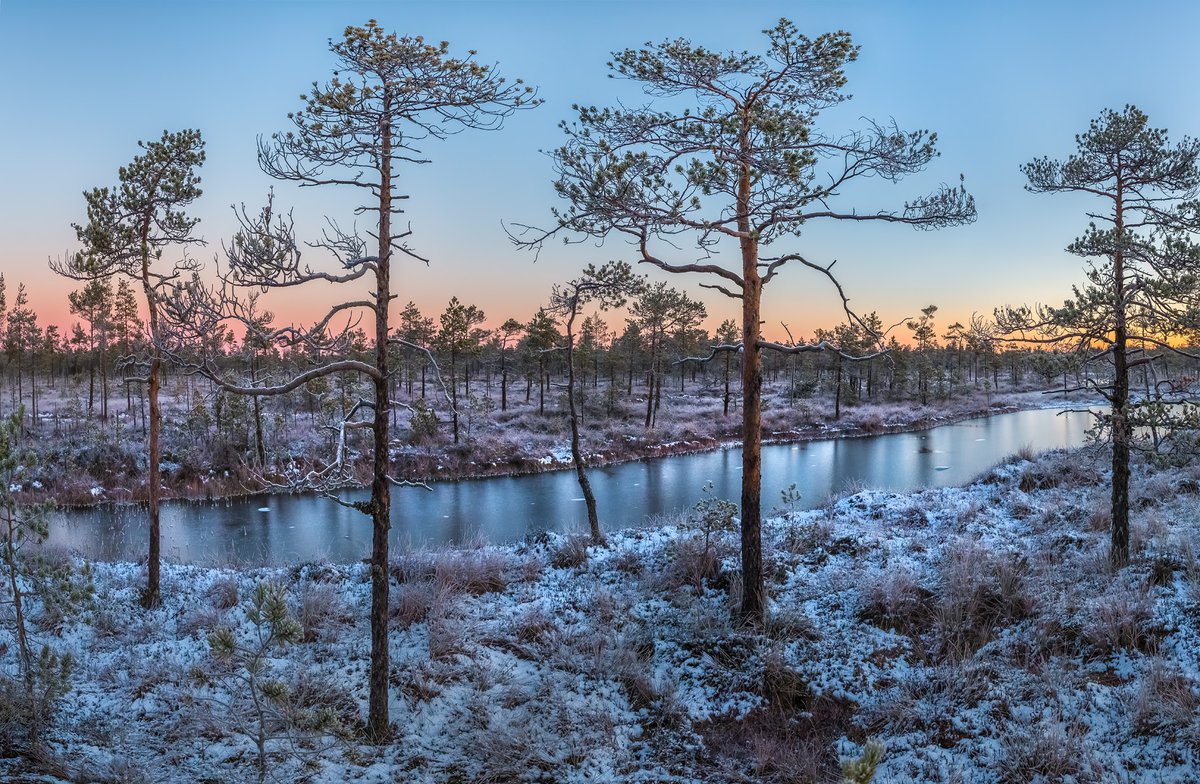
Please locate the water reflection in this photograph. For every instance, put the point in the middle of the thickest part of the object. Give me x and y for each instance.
(304, 527)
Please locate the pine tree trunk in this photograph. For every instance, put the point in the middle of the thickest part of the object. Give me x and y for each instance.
(152, 597)
(453, 395)
(725, 408)
(503, 384)
(378, 723)
(589, 498)
(24, 652)
(1119, 550)
(752, 607)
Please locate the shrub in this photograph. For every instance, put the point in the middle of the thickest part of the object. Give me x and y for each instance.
(861, 770)
(246, 689)
(32, 571)
(423, 424)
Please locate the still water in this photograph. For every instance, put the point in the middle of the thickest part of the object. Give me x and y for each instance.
(288, 528)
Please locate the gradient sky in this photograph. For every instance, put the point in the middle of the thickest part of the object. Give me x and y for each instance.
(1001, 83)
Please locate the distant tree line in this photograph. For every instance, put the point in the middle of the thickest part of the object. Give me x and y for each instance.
(459, 372)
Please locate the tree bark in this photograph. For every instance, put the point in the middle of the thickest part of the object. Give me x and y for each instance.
(753, 599)
(752, 581)
(1119, 549)
(378, 723)
(153, 595)
(589, 498)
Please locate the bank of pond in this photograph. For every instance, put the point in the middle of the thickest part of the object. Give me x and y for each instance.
(288, 528)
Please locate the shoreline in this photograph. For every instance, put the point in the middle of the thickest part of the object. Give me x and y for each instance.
(548, 463)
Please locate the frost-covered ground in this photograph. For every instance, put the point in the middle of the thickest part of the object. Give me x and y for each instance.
(978, 632)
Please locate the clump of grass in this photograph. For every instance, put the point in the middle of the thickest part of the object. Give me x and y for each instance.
(412, 602)
(692, 563)
(627, 561)
(223, 593)
(978, 592)
(199, 623)
(1118, 620)
(446, 638)
(471, 572)
(319, 609)
(1054, 750)
(784, 689)
(896, 601)
(1164, 701)
(572, 553)
(927, 700)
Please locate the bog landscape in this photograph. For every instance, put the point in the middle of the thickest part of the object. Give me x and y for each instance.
(267, 514)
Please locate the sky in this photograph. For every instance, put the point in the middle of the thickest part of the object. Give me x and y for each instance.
(1001, 83)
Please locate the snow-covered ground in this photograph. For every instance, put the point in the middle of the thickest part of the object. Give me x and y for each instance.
(977, 632)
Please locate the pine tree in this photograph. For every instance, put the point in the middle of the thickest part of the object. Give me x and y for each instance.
(728, 152)
(387, 97)
(458, 337)
(128, 230)
(1142, 266)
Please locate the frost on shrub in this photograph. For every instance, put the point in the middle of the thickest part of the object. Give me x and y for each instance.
(245, 689)
(695, 559)
(33, 577)
(423, 424)
(713, 515)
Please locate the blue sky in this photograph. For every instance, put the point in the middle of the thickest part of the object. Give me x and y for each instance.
(1001, 83)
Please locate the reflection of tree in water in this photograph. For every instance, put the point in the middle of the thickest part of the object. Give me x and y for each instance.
(302, 528)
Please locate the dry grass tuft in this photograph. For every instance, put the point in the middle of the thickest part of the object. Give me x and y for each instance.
(978, 593)
(223, 593)
(896, 601)
(1053, 750)
(412, 602)
(199, 623)
(572, 553)
(1119, 620)
(320, 608)
(472, 572)
(1164, 702)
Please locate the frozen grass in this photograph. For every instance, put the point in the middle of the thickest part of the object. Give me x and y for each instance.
(977, 632)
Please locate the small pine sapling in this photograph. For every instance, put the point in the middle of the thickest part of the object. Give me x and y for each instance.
(790, 497)
(712, 515)
(423, 424)
(55, 584)
(861, 770)
(259, 703)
